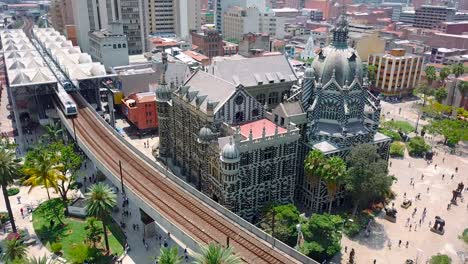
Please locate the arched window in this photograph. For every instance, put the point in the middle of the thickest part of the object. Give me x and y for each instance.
(273, 98)
(261, 98)
(119, 46)
(239, 117)
(124, 45)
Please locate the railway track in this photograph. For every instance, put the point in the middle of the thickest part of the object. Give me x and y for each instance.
(202, 223)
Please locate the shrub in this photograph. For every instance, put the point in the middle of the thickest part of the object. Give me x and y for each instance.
(56, 247)
(440, 259)
(4, 217)
(464, 236)
(397, 149)
(12, 191)
(417, 147)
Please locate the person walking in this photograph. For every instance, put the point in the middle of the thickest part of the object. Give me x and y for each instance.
(399, 243)
(22, 212)
(407, 244)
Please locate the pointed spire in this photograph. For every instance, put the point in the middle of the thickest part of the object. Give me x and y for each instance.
(334, 74)
(250, 134)
(264, 131)
(163, 79)
(340, 30)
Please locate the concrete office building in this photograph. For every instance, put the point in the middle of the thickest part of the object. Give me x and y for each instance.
(398, 73)
(428, 16)
(441, 55)
(161, 17)
(93, 15)
(222, 5)
(109, 46)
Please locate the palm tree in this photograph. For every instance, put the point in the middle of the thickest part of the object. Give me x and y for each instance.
(334, 174)
(169, 256)
(44, 170)
(38, 260)
(15, 250)
(100, 199)
(463, 88)
(53, 132)
(431, 74)
(313, 165)
(458, 69)
(216, 254)
(9, 171)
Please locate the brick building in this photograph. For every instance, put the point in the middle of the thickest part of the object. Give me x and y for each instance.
(140, 109)
(453, 27)
(209, 43)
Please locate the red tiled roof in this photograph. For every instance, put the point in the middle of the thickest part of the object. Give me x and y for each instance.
(257, 128)
(195, 55)
(320, 29)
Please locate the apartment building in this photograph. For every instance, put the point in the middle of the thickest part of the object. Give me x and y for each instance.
(161, 17)
(398, 73)
(428, 16)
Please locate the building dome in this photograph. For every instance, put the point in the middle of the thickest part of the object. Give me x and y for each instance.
(230, 152)
(343, 63)
(205, 134)
(163, 92)
(338, 59)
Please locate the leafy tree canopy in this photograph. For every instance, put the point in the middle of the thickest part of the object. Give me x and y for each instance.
(418, 147)
(322, 234)
(368, 175)
(452, 130)
(440, 259)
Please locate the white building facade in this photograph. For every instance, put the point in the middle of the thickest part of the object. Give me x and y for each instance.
(109, 46)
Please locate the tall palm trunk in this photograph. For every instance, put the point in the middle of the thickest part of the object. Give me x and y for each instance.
(8, 206)
(330, 206)
(106, 239)
(47, 190)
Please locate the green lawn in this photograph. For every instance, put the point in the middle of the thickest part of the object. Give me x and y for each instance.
(73, 233)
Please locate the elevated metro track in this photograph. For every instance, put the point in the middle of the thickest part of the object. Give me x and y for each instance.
(175, 203)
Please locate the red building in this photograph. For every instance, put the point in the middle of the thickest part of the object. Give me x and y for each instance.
(140, 109)
(208, 42)
(455, 27)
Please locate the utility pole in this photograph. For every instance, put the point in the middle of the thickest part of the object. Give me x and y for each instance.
(273, 223)
(121, 176)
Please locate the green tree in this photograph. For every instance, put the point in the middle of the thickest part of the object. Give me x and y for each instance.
(417, 147)
(444, 73)
(44, 170)
(216, 254)
(463, 88)
(9, 171)
(313, 164)
(440, 94)
(368, 175)
(458, 69)
(334, 175)
(286, 217)
(437, 110)
(452, 130)
(15, 250)
(71, 162)
(424, 91)
(169, 256)
(440, 259)
(53, 132)
(431, 74)
(100, 199)
(322, 235)
(397, 149)
(372, 73)
(93, 231)
(464, 236)
(38, 260)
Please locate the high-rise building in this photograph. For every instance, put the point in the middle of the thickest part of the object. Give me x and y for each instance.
(397, 73)
(61, 14)
(428, 16)
(92, 15)
(222, 5)
(161, 17)
(109, 46)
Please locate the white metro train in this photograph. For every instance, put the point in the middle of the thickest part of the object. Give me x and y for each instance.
(65, 101)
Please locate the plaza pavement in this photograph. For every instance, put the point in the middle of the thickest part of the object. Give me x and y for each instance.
(422, 243)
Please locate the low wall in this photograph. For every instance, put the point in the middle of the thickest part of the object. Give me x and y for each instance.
(205, 199)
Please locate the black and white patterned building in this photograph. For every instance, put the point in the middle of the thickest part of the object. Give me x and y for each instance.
(339, 112)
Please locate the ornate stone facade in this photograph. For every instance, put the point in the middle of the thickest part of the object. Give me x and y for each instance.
(215, 134)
